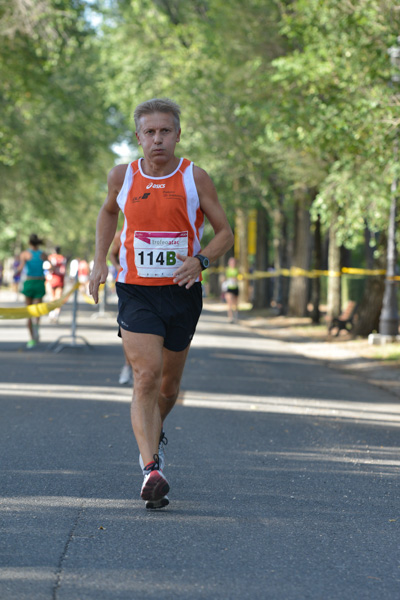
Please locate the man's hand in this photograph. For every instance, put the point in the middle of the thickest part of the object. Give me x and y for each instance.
(97, 276)
(188, 272)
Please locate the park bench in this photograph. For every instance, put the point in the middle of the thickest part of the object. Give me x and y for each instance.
(345, 321)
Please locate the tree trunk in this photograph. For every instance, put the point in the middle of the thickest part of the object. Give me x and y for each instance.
(299, 285)
(241, 226)
(281, 283)
(262, 286)
(214, 286)
(316, 281)
(334, 280)
(369, 251)
(369, 309)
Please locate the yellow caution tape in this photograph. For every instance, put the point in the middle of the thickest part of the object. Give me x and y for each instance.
(292, 272)
(298, 272)
(88, 299)
(354, 271)
(36, 310)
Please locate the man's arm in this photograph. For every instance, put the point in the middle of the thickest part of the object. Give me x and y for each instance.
(223, 239)
(105, 229)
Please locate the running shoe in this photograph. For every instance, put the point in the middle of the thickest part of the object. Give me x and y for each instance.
(125, 375)
(154, 504)
(31, 344)
(161, 453)
(155, 486)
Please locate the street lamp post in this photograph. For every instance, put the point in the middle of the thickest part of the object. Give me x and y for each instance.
(389, 319)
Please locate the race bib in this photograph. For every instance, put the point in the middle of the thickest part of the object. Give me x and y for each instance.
(155, 252)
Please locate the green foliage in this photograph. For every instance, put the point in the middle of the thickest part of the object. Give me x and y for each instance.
(54, 128)
(337, 105)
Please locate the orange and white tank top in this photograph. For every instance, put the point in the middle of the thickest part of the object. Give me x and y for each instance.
(162, 218)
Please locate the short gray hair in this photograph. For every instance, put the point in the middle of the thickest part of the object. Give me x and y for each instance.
(164, 105)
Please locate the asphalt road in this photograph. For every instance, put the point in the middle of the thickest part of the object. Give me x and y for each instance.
(284, 474)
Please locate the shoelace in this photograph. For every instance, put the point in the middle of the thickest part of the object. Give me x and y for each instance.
(163, 438)
(153, 466)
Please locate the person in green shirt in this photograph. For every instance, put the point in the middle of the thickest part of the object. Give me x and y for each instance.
(34, 285)
(232, 290)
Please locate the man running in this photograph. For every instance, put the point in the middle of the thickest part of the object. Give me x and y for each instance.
(164, 200)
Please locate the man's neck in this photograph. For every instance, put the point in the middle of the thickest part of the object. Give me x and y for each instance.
(155, 169)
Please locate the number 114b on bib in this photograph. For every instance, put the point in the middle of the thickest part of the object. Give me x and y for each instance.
(155, 252)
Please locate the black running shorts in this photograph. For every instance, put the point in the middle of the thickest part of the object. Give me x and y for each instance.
(234, 291)
(169, 311)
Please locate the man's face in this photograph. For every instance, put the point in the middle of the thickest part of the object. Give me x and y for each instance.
(158, 136)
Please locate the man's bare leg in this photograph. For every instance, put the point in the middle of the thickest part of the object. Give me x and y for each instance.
(145, 354)
(157, 374)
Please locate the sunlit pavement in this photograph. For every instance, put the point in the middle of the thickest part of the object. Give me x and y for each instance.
(284, 473)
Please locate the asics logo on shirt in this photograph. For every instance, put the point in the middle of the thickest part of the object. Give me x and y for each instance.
(156, 186)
